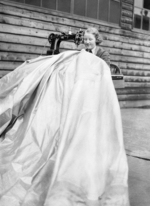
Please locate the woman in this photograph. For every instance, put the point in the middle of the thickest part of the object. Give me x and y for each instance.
(62, 139)
(92, 39)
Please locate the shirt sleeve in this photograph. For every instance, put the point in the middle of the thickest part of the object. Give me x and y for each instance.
(105, 56)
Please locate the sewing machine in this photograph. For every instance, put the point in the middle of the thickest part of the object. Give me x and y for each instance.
(56, 39)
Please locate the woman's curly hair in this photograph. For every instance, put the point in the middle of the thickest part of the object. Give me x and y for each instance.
(95, 32)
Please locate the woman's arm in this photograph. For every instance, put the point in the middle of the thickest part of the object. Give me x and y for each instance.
(103, 55)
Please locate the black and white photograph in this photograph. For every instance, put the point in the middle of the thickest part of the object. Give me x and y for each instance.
(74, 102)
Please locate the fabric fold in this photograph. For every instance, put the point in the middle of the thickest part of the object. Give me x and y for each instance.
(65, 146)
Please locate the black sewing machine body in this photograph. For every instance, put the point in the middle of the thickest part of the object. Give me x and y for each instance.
(56, 39)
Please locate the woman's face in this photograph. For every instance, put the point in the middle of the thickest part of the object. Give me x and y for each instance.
(89, 40)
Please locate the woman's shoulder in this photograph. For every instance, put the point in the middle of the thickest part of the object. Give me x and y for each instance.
(103, 55)
(101, 51)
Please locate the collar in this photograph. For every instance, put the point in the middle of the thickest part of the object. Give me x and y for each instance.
(94, 50)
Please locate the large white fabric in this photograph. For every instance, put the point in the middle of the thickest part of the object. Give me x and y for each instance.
(61, 134)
